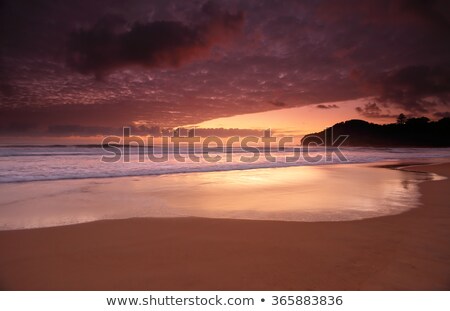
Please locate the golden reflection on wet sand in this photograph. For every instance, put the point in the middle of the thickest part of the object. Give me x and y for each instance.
(308, 193)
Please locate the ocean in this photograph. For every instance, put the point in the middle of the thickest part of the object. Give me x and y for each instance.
(62, 185)
(39, 163)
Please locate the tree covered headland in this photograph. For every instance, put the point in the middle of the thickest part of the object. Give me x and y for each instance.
(406, 132)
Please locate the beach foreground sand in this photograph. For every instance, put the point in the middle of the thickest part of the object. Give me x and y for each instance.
(409, 251)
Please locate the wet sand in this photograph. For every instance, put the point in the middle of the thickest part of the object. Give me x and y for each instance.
(408, 251)
(304, 193)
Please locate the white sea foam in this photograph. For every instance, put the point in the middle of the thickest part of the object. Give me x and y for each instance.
(20, 164)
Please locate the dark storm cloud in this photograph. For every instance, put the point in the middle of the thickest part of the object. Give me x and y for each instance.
(277, 103)
(430, 12)
(397, 48)
(286, 54)
(329, 106)
(105, 47)
(97, 120)
(6, 89)
(440, 114)
(415, 88)
(372, 110)
(17, 129)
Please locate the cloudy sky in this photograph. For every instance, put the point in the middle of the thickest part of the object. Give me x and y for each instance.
(87, 68)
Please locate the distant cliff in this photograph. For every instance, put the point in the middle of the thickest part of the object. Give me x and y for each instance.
(413, 132)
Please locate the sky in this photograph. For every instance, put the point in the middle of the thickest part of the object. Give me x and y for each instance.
(75, 71)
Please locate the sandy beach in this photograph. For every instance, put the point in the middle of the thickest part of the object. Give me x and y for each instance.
(408, 251)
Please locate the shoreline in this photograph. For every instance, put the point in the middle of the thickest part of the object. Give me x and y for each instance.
(322, 193)
(407, 251)
(396, 163)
